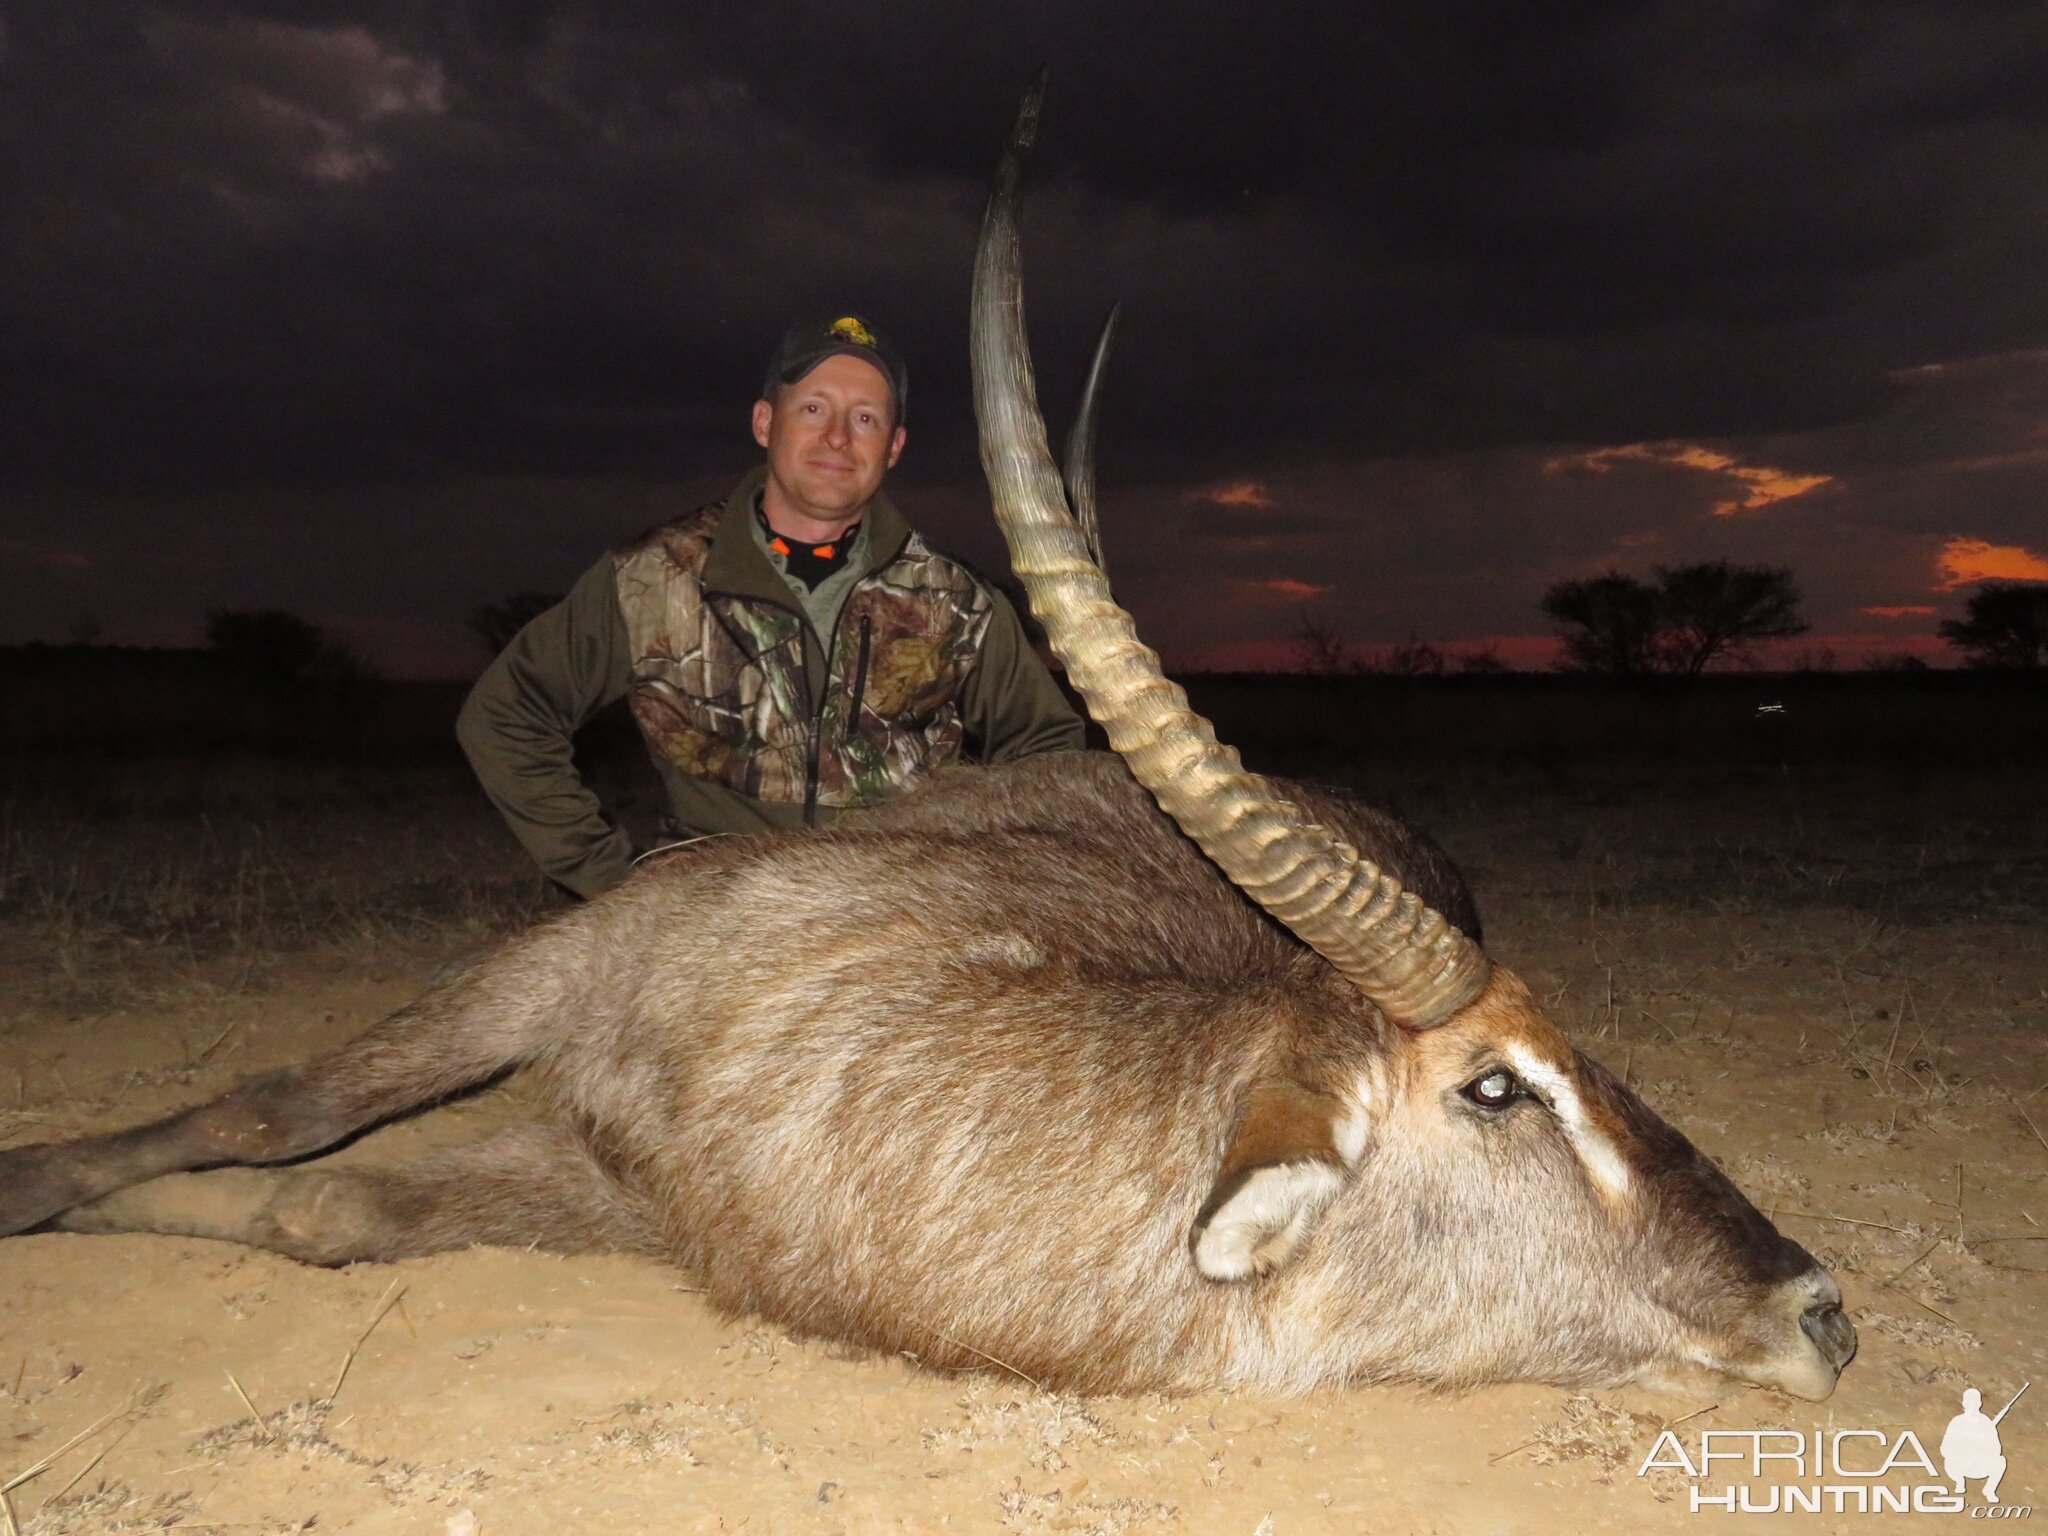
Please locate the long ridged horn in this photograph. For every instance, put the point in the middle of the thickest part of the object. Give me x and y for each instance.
(1415, 967)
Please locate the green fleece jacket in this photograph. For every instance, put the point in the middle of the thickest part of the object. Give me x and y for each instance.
(758, 713)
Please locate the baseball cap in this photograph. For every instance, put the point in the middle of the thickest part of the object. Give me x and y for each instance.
(809, 343)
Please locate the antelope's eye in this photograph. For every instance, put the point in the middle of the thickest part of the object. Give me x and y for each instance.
(1494, 1090)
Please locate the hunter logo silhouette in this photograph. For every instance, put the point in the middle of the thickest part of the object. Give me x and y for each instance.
(1970, 1446)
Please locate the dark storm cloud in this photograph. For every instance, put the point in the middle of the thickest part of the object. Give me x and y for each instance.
(364, 260)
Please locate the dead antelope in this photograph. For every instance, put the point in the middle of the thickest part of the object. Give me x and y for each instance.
(1021, 1068)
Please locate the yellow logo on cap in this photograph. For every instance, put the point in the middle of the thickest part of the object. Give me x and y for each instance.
(847, 328)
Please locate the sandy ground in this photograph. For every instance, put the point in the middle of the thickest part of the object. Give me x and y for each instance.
(1873, 1075)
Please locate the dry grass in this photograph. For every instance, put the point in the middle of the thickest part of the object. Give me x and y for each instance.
(301, 1431)
(122, 878)
(1046, 1425)
(1901, 808)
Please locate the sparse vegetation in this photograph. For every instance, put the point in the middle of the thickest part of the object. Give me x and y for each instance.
(1320, 650)
(116, 874)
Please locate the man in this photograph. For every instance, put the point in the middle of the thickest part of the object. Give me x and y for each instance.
(791, 651)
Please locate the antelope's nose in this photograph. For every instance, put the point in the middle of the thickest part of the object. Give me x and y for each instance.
(1828, 1326)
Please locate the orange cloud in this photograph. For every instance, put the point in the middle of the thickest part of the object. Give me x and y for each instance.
(1599, 461)
(1760, 486)
(1767, 486)
(1968, 560)
(1693, 456)
(1292, 590)
(1240, 493)
(1901, 611)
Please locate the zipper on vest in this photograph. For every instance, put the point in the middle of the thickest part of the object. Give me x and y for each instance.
(860, 678)
(817, 728)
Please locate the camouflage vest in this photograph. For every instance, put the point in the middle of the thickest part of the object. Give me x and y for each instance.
(721, 688)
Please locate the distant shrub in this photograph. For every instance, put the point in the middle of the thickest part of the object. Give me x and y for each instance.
(272, 645)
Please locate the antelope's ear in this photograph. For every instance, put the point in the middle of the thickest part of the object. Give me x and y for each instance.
(1294, 1148)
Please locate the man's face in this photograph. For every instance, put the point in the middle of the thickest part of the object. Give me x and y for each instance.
(830, 437)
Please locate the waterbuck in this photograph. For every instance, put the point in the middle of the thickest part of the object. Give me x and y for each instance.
(1135, 1072)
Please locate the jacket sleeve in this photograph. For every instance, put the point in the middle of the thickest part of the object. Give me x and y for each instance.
(517, 723)
(1009, 701)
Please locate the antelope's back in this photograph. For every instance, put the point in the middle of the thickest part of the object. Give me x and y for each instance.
(1091, 799)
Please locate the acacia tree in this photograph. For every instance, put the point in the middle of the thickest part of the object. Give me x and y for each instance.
(2005, 625)
(1716, 609)
(1609, 624)
(1688, 618)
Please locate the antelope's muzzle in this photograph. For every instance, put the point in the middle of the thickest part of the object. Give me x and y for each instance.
(1831, 1332)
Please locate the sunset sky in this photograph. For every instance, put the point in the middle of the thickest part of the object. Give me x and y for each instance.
(363, 310)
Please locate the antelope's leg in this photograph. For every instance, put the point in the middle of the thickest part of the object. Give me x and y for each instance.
(532, 1187)
(459, 1034)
